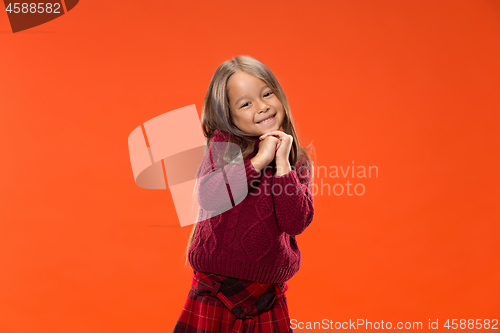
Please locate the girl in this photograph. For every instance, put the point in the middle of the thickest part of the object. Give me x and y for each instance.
(244, 249)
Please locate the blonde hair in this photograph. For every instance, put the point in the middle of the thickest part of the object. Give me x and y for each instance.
(215, 114)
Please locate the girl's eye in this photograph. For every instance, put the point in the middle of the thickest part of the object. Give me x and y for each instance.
(269, 92)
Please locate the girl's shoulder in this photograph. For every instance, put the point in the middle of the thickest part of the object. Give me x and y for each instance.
(303, 162)
(220, 136)
(304, 168)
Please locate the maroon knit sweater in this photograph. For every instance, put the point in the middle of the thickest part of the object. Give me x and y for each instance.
(255, 239)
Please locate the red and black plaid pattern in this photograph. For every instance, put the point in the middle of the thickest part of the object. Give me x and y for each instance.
(220, 304)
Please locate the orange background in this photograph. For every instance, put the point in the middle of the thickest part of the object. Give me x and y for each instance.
(410, 87)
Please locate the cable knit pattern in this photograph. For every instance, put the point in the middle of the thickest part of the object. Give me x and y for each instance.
(254, 236)
(211, 241)
(214, 172)
(257, 241)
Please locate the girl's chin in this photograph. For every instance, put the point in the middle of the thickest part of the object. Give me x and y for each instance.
(269, 129)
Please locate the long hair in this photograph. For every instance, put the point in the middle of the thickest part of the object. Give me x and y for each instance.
(215, 114)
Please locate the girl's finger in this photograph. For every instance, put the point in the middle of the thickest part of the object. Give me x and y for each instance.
(281, 135)
(263, 136)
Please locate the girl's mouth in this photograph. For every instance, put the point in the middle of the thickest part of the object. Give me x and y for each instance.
(267, 121)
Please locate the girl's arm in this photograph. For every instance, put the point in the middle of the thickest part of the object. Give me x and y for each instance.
(293, 201)
(214, 174)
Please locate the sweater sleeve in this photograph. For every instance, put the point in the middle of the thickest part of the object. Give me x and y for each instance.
(218, 181)
(293, 200)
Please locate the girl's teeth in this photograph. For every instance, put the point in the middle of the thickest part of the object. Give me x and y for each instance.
(267, 120)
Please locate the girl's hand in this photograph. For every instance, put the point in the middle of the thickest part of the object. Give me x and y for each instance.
(284, 146)
(267, 149)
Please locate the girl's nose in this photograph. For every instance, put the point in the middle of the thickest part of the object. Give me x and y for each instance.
(264, 108)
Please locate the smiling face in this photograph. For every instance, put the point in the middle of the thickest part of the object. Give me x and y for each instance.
(255, 109)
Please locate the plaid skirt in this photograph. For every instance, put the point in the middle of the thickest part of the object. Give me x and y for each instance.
(221, 304)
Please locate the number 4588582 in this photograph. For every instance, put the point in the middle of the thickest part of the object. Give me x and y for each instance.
(33, 8)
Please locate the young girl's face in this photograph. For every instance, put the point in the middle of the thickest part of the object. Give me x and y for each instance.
(255, 109)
